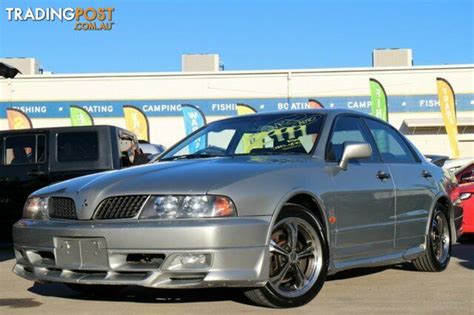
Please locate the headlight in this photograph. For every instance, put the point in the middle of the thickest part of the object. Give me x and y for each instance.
(36, 208)
(465, 196)
(181, 207)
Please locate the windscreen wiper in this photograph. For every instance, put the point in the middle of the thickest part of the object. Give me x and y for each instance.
(188, 157)
(278, 153)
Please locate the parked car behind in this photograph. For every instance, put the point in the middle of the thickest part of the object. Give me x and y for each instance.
(466, 195)
(34, 158)
(465, 177)
(270, 203)
(465, 173)
(437, 159)
(455, 164)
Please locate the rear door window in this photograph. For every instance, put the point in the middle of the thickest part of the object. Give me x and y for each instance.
(392, 147)
(25, 149)
(77, 146)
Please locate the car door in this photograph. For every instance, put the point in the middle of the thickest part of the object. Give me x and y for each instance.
(414, 184)
(363, 194)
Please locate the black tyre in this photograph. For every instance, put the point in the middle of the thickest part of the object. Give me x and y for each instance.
(438, 252)
(298, 260)
(97, 290)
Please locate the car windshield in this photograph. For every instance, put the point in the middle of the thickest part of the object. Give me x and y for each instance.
(294, 133)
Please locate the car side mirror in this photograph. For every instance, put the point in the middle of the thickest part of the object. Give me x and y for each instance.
(354, 151)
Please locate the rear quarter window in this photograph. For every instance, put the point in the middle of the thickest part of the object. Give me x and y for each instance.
(77, 146)
(23, 149)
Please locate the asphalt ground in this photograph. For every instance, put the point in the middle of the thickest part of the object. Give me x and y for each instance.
(395, 289)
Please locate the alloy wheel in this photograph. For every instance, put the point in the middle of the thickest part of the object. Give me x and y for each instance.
(440, 238)
(295, 257)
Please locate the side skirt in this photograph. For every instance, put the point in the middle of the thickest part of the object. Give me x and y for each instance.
(375, 261)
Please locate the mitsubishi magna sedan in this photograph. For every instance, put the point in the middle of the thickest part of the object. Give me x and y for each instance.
(270, 203)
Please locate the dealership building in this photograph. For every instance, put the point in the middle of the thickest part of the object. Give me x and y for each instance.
(412, 95)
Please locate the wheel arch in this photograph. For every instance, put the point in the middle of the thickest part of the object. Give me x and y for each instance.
(445, 201)
(308, 200)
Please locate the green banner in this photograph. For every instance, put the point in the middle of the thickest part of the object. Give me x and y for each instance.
(80, 117)
(378, 97)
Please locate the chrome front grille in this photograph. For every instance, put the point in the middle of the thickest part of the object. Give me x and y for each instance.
(62, 208)
(120, 207)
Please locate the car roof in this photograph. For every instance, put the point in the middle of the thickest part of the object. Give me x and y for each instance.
(323, 111)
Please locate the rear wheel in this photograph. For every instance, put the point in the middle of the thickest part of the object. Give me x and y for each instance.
(438, 251)
(298, 260)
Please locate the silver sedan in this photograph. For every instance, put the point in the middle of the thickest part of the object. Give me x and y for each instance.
(271, 203)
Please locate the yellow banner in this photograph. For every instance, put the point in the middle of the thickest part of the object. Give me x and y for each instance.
(18, 119)
(447, 104)
(244, 109)
(136, 122)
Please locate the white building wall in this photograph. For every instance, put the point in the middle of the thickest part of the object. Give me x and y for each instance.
(286, 84)
(292, 83)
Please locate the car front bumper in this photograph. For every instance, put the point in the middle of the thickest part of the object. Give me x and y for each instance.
(227, 252)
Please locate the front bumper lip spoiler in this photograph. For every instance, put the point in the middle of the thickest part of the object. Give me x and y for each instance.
(236, 267)
(239, 255)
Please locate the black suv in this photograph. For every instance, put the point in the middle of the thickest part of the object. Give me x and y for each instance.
(33, 158)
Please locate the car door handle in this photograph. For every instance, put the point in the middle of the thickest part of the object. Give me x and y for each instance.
(35, 173)
(382, 175)
(426, 174)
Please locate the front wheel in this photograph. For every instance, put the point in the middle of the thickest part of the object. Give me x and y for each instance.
(438, 251)
(298, 260)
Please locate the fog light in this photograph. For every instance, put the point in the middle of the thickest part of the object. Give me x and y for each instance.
(189, 261)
